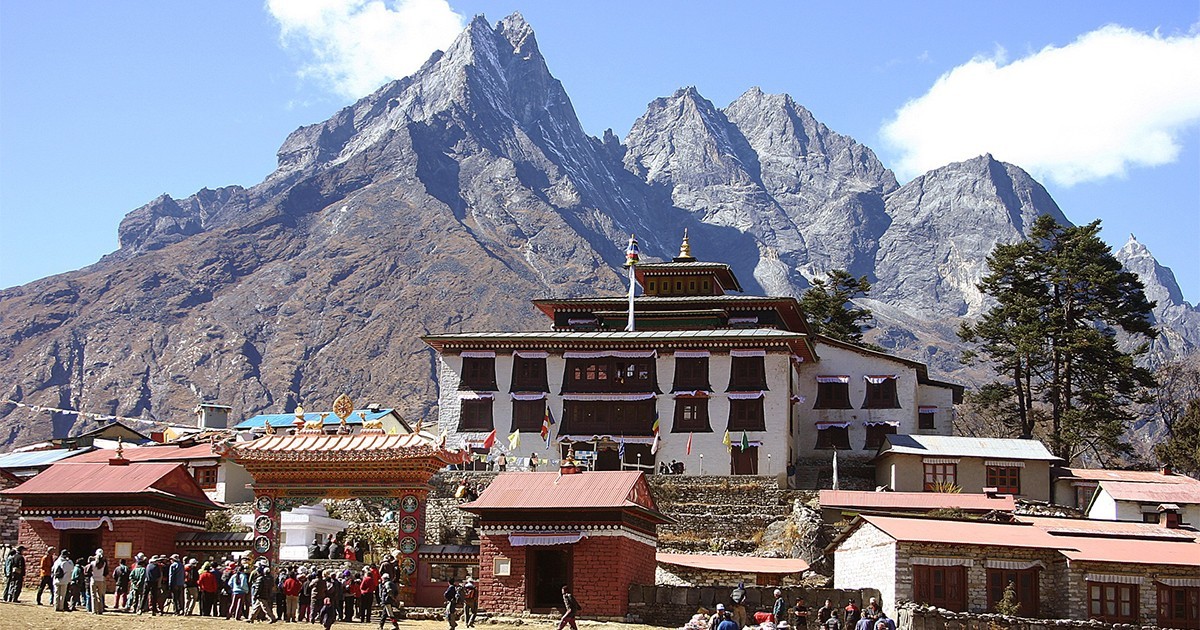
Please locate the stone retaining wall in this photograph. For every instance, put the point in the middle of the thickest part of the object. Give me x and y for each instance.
(673, 606)
(915, 617)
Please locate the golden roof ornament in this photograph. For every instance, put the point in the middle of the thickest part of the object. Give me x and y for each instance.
(120, 448)
(270, 430)
(343, 407)
(299, 412)
(685, 249)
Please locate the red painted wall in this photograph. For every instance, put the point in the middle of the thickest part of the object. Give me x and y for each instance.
(148, 537)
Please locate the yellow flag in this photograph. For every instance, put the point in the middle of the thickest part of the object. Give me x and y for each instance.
(514, 440)
(727, 441)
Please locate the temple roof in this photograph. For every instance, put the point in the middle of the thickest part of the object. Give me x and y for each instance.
(553, 491)
(165, 480)
(287, 419)
(358, 447)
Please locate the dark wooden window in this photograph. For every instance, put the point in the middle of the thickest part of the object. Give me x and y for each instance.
(528, 415)
(1113, 603)
(925, 418)
(944, 587)
(206, 477)
(743, 461)
(602, 417)
(833, 395)
(478, 459)
(1179, 606)
(529, 375)
(747, 415)
(876, 434)
(475, 415)
(610, 375)
(881, 395)
(1025, 587)
(691, 374)
(940, 474)
(691, 415)
(1005, 479)
(479, 374)
(830, 437)
(747, 374)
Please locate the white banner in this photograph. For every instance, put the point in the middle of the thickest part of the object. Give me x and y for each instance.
(927, 409)
(525, 539)
(620, 354)
(83, 522)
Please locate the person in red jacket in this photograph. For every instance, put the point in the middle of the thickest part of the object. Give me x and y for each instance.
(366, 601)
(208, 583)
(351, 585)
(291, 593)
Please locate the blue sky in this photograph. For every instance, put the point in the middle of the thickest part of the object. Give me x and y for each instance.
(104, 106)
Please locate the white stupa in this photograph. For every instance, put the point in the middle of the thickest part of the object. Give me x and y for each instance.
(300, 526)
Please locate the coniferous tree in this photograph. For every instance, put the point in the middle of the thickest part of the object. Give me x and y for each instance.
(1061, 298)
(829, 309)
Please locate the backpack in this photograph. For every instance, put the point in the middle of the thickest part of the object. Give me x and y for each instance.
(452, 595)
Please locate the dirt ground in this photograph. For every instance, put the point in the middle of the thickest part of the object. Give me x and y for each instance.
(27, 616)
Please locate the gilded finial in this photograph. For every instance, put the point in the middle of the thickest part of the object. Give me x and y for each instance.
(685, 248)
(270, 430)
(120, 448)
(299, 411)
(343, 406)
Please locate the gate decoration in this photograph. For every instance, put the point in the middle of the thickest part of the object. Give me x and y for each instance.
(301, 469)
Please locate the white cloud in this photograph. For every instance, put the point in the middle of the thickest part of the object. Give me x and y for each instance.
(1112, 99)
(358, 45)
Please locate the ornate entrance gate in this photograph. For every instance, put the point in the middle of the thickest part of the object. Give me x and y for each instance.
(311, 465)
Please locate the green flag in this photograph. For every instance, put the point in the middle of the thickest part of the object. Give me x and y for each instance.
(745, 440)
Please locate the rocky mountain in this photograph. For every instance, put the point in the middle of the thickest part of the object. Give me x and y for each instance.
(1178, 321)
(446, 200)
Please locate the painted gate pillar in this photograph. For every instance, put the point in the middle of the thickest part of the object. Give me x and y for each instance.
(267, 527)
(411, 529)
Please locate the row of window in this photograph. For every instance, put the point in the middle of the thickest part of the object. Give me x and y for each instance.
(946, 587)
(835, 394)
(632, 418)
(612, 374)
(1005, 479)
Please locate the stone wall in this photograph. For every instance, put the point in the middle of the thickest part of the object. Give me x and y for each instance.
(915, 617)
(10, 518)
(673, 606)
(868, 558)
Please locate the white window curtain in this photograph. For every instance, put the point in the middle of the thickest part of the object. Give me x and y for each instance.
(876, 379)
(833, 379)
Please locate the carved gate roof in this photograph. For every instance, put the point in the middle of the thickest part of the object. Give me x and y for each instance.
(362, 447)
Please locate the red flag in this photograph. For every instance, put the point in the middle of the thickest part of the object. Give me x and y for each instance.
(689, 446)
(490, 439)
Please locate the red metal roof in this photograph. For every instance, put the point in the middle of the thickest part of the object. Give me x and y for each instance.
(550, 490)
(148, 454)
(147, 478)
(1143, 476)
(1152, 492)
(916, 529)
(1090, 527)
(1134, 551)
(914, 500)
(734, 564)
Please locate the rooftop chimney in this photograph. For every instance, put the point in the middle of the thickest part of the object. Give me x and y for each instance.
(1168, 516)
(1166, 470)
(212, 416)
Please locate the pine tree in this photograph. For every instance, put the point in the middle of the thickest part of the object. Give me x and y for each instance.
(829, 309)
(1061, 297)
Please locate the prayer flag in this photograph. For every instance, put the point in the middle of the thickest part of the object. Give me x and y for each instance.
(631, 259)
(621, 449)
(654, 444)
(654, 427)
(726, 441)
(745, 440)
(835, 471)
(490, 440)
(514, 440)
(689, 444)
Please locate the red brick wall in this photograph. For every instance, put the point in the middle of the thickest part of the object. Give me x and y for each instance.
(148, 537)
(501, 594)
(604, 568)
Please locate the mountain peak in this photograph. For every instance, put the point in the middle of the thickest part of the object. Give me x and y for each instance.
(518, 32)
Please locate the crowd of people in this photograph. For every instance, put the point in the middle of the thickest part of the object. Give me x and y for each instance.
(236, 590)
(798, 616)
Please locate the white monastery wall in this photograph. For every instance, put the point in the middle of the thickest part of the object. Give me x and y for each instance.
(867, 559)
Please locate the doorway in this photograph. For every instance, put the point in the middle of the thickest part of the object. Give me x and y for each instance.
(81, 544)
(743, 461)
(550, 568)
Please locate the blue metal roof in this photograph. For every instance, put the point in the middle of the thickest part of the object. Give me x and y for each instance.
(34, 459)
(288, 419)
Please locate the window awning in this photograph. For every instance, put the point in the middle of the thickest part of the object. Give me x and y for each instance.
(799, 399)
(628, 439)
(540, 539)
(747, 353)
(478, 354)
(940, 460)
(881, 423)
(876, 379)
(531, 354)
(692, 354)
(833, 379)
(744, 395)
(1113, 578)
(620, 354)
(610, 396)
(927, 409)
(469, 395)
(1193, 582)
(80, 522)
(930, 561)
(528, 395)
(821, 426)
(1003, 464)
(695, 393)
(1014, 565)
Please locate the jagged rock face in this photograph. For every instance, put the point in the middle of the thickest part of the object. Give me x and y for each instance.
(1178, 321)
(445, 201)
(944, 224)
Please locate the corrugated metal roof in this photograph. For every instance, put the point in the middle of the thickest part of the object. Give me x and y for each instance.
(549, 490)
(1089, 527)
(149, 453)
(1137, 476)
(332, 443)
(33, 459)
(956, 446)
(1152, 492)
(1133, 551)
(287, 419)
(72, 478)
(734, 564)
(915, 529)
(914, 500)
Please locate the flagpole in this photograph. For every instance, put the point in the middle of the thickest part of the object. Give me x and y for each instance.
(631, 260)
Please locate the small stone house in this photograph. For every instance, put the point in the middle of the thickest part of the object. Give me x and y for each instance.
(1075, 487)
(1138, 573)
(1137, 501)
(929, 463)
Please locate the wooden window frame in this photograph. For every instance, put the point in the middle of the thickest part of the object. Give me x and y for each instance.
(529, 375)
(602, 417)
(1005, 479)
(1178, 606)
(475, 415)
(1026, 586)
(877, 435)
(833, 439)
(1101, 594)
(528, 415)
(478, 374)
(833, 396)
(691, 416)
(201, 473)
(691, 374)
(608, 374)
(747, 415)
(747, 374)
(882, 395)
(935, 473)
(926, 420)
(951, 581)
